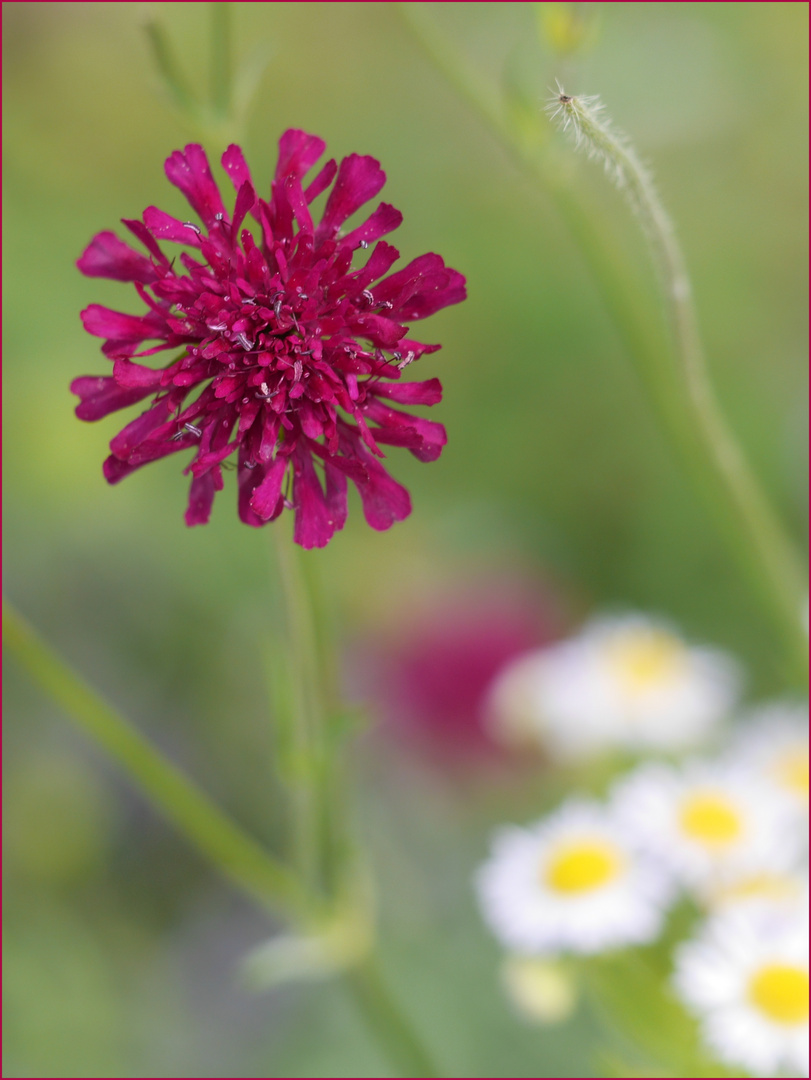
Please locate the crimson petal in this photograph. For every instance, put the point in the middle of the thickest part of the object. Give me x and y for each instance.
(384, 500)
(384, 220)
(410, 393)
(190, 171)
(201, 498)
(298, 152)
(315, 523)
(100, 396)
(359, 180)
(108, 257)
(267, 495)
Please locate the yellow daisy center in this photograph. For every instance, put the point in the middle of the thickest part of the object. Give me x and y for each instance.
(710, 818)
(780, 992)
(646, 658)
(581, 866)
(791, 770)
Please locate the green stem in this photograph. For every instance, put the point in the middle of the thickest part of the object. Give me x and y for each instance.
(314, 773)
(301, 729)
(746, 505)
(221, 73)
(686, 405)
(386, 1022)
(309, 730)
(238, 858)
(220, 840)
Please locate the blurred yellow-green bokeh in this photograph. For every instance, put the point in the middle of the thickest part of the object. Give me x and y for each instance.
(122, 947)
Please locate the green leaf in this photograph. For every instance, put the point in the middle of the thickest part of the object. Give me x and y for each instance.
(331, 948)
(288, 958)
(630, 993)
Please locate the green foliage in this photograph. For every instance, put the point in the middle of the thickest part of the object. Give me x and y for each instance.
(630, 994)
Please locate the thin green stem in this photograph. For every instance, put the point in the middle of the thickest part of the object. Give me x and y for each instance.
(301, 726)
(746, 505)
(314, 774)
(220, 63)
(387, 1023)
(682, 396)
(312, 729)
(238, 857)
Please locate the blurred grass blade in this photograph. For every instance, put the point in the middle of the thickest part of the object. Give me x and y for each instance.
(169, 69)
(236, 855)
(221, 45)
(527, 122)
(249, 75)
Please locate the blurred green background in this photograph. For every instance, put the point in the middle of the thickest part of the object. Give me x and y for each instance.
(122, 947)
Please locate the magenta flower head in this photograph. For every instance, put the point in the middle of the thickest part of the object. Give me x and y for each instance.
(290, 355)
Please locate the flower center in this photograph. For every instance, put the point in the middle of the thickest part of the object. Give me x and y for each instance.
(711, 819)
(780, 992)
(582, 866)
(791, 770)
(646, 658)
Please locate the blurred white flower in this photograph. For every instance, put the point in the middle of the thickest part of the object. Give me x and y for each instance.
(773, 743)
(627, 681)
(733, 888)
(712, 825)
(746, 978)
(514, 705)
(543, 991)
(571, 882)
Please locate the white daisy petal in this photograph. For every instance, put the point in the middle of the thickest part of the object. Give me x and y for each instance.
(773, 742)
(714, 826)
(571, 882)
(746, 978)
(627, 681)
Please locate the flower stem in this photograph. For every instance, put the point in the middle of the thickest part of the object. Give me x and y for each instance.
(300, 721)
(393, 1033)
(312, 767)
(746, 506)
(237, 856)
(682, 397)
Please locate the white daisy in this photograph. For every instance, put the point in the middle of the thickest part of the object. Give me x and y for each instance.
(623, 681)
(763, 886)
(712, 825)
(514, 705)
(773, 742)
(746, 978)
(573, 881)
